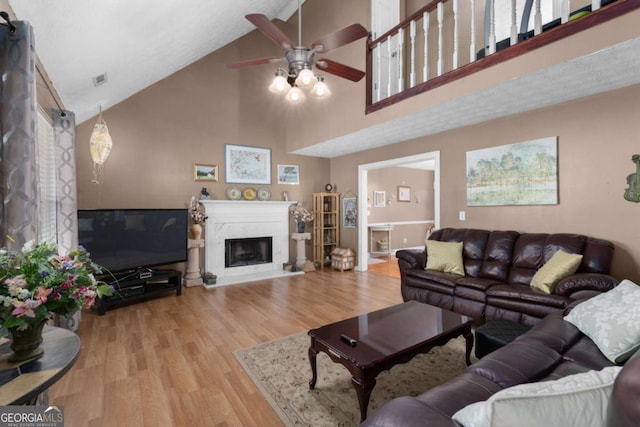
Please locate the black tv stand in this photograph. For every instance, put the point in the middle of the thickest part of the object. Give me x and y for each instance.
(139, 285)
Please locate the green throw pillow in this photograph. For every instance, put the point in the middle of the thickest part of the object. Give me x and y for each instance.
(560, 265)
(611, 320)
(445, 256)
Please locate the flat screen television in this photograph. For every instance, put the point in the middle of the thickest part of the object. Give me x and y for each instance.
(129, 239)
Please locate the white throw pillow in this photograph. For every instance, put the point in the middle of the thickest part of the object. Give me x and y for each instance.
(611, 320)
(575, 400)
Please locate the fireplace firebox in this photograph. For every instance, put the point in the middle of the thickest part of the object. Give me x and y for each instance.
(248, 251)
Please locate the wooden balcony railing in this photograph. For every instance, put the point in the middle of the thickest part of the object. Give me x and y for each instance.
(445, 41)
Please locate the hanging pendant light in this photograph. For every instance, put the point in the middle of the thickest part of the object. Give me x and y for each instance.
(100, 147)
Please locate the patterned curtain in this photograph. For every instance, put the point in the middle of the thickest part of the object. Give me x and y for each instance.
(18, 174)
(64, 129)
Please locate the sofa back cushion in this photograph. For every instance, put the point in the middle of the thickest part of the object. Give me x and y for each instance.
(497, 257)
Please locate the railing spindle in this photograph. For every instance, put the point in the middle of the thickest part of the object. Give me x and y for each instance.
(455, 33)
(379, 68)
(400, 59)
(389, 69)
(440, 53)
(425, 29)
(537, 28)
(412, 73)
(492, 27)
(472, 47)
(564, 11)
(514, 24)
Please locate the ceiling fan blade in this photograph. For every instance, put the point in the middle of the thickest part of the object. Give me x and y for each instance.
(340, 38)
(251, 62)
(340, 70)
(270, 30)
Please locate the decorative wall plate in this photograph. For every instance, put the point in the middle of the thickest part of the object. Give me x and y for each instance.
(234, 193)
(264, 194)
(249, 193)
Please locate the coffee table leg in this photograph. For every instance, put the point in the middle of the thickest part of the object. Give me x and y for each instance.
(363, 390)
(468, 337)
(314, 371)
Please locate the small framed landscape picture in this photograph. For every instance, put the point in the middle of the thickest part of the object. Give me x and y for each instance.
(205, 172)
(288, 174)
(404, 194)
(379, 199)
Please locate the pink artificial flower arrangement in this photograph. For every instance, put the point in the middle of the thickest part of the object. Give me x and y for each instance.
(37, 282)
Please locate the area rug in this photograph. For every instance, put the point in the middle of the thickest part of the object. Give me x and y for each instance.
(281, 371)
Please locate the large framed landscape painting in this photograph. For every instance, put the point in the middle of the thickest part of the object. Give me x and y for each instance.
(524, 173)
(247, 165)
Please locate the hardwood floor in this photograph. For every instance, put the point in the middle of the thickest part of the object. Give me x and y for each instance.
(169, 361)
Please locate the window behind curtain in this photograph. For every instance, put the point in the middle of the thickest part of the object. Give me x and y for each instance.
(46, 179)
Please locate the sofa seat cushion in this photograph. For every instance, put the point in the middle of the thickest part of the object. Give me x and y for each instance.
(477, 283)
(517, 363)
(447, 279)
(527, 294)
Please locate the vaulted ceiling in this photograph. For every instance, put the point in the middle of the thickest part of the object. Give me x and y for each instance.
(129, 41)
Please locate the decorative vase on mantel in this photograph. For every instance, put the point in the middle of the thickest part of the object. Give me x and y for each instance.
(300, 225)
(196, 231)
(26, 343)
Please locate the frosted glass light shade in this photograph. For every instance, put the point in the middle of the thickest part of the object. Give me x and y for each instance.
(306, 79)
(295, 95)
(279, 85)
(320, 89)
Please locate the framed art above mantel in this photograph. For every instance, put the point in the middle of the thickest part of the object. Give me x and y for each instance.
(247, 165)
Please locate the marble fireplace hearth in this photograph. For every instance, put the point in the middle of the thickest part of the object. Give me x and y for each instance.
(242, 219)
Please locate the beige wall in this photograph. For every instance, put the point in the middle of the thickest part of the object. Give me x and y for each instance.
(596, 138)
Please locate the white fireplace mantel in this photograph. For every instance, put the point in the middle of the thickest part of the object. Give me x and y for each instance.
(238, 219)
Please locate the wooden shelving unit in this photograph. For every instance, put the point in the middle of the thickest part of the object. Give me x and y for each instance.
(326, 227)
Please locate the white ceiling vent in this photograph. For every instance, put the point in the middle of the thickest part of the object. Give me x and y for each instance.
(101, 79)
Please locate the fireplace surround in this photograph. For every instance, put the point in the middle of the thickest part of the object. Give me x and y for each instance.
(242, 219)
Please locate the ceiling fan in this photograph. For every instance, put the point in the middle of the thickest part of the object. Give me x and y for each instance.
(301, 59)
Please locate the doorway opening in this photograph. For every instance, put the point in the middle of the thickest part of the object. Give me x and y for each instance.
(363, 189)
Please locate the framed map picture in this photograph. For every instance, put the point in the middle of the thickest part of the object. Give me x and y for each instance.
(247, 165)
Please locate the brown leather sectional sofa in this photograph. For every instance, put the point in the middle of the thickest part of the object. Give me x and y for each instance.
(499, 266)
(552, 349)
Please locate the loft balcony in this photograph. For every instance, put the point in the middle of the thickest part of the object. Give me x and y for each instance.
(448, 40)
(560, 62)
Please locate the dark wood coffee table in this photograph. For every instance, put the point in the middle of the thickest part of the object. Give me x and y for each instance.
(384, 339)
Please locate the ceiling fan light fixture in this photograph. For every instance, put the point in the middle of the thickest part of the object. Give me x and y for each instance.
(306, 79)
(295, 95)
(320, 89)
(280, 85)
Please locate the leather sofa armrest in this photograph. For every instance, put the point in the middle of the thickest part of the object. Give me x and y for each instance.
(411, 258)
(408, 411)
(585, 282)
